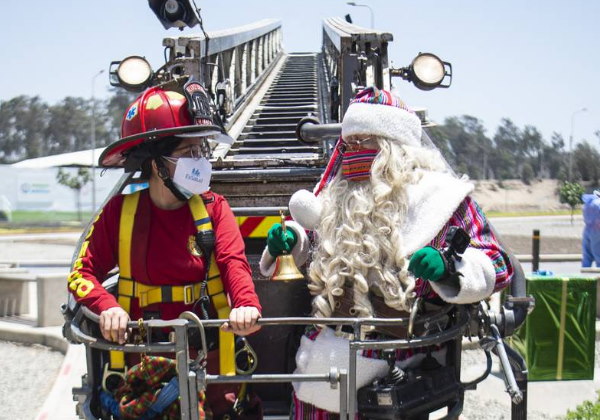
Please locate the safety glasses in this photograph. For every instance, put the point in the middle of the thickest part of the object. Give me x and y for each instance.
(194, 151)
(354, 144)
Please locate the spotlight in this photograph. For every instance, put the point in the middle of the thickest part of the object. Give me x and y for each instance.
(174, 13)
(427, 71)
(132, 73)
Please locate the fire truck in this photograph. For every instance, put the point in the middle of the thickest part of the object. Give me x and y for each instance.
(284, 110)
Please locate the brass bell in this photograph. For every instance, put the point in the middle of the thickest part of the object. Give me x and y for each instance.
(285, 266)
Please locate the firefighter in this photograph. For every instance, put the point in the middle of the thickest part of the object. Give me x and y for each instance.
(176, 243)
(380, 216)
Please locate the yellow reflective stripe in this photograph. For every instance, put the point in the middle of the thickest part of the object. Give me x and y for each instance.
(220, 301)
(117, 360)
(130, 203)
(199, 212)
(214, 286)
(226, 340)
(126, 287)
(226, 346)
(124, 302)
(213, 270)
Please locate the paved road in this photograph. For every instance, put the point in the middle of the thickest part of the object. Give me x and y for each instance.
(553, 226)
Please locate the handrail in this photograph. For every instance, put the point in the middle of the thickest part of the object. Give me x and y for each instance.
(230, 62)
(225, 39)
(355, 57)
(340, 32)
(359, 322)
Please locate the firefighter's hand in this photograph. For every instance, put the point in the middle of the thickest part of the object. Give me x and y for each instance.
(279, 243)
(242, 321)
(113, 324)
(428, 263)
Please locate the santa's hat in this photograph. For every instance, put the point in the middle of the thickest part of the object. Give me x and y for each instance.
(374, 112)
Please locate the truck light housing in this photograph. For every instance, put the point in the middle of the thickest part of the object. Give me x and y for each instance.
(427, 71)
(132, 73)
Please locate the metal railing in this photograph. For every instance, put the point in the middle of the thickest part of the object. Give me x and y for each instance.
(229, 62)
(195, 378)
(355, 57)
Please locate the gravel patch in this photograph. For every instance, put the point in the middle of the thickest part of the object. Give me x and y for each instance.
(480, 404)
(28, 373)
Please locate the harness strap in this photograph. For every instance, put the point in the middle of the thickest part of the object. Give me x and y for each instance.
(141, 235)
(215, 290)
(128, 288)
(130, 204)
(149, 295)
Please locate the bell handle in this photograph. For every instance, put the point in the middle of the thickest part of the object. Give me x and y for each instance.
(283, 226)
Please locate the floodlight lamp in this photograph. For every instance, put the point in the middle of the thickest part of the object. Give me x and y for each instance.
(132, 73)
(429, 71)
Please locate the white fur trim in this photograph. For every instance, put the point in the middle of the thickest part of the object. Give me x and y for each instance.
(325, 352)
(300, 251)
(382, 120)
(477, 280)
(431, 202)
(305, 208)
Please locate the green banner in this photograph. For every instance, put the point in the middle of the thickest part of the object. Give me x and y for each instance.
(558, 337)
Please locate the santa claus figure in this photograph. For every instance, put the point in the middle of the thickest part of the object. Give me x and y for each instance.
(380, 217)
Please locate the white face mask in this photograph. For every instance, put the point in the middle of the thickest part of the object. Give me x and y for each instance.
(192, 176)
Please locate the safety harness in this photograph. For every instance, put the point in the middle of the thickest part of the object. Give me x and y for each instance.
(135, 222)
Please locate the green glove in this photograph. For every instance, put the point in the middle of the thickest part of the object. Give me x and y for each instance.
(278, 243)
(428, 263)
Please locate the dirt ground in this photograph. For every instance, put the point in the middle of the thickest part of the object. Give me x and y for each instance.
(515, 196)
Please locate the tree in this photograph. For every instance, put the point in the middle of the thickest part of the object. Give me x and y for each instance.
(531, 148)
(586, 161)
(23, 121)
(554, 158)
(570, 193)
(468, 145)
(69, 125)
(507, 157)
(75, 182)
(527, 173)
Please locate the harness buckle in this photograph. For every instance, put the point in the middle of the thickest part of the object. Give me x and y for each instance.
(188, 294)
(112, 379)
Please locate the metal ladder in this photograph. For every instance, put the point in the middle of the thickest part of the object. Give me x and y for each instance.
(271, 131)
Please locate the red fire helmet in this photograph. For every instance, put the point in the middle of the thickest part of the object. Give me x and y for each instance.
(154, 115)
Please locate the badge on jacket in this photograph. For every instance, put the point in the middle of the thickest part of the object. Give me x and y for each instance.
(193, 247)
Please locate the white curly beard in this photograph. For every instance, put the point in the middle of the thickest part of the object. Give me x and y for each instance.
(360, 233)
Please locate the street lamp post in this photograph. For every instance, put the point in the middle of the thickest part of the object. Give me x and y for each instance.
(571, 142)
(94, 142)
(351, 3)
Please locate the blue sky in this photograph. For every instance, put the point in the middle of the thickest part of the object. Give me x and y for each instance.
(535, 62)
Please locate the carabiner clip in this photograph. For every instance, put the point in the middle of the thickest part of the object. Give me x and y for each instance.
(203, 352)
(251, 357)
